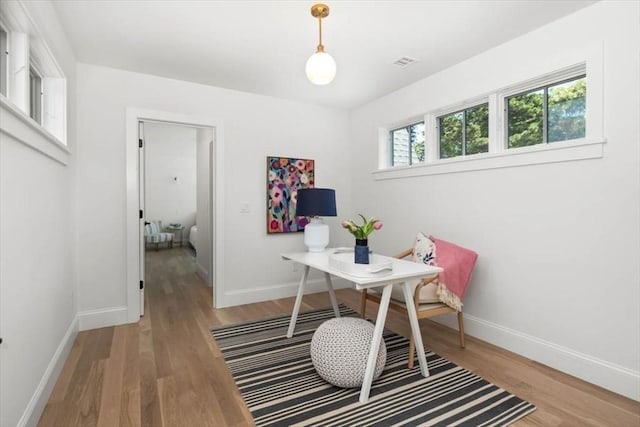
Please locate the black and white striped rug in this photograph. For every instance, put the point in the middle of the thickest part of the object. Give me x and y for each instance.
(281, 388)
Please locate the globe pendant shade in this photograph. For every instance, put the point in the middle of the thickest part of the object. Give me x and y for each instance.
(321, 68)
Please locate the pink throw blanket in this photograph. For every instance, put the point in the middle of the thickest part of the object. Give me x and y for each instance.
(457, 263)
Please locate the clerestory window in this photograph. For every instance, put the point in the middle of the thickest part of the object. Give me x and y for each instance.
(541, 120)
(31, 81)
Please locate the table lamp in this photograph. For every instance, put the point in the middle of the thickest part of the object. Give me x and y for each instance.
(316, 202)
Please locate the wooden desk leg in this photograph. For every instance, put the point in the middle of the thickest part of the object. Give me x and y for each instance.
(296, 306)
(375, 343)
(415, 328)
(332, 295)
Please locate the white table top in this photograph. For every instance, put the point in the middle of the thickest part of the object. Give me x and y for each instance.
(402, 269)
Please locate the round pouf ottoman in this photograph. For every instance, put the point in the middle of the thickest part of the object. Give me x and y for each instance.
(340, 348)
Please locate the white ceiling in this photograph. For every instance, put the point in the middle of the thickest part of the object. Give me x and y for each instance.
(262, 46)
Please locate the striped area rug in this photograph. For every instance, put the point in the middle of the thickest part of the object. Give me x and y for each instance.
(281, 388)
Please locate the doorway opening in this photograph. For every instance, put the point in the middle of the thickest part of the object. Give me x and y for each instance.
(175, 198)
(186, 189)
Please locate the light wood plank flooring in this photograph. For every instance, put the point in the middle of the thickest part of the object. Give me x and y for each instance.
(167, 371)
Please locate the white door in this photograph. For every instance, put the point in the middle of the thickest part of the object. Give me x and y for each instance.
(142, 215)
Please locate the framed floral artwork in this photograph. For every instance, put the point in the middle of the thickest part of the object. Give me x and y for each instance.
(285, 176)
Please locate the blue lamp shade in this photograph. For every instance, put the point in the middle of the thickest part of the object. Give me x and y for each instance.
(316, 202)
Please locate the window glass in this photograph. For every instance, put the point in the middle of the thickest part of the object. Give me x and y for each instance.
(567, 110)
(464, 132)
(477, 129)
(416, 133)
(4, 71)
(408, 144)
(548, 114)
(35, 95)
(451, 135)
(525, 124)
(400, 141)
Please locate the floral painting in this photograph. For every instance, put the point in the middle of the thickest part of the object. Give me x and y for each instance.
(285, 176)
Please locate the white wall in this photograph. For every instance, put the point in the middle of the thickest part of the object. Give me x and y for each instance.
(170, 174)
(254, 127)
(204, 236)
(37, 282)
(558, 274)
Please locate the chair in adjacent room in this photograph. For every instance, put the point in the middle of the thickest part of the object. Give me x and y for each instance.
(154, 235)
(436, 294)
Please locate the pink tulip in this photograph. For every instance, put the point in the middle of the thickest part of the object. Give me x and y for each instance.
(362, 231)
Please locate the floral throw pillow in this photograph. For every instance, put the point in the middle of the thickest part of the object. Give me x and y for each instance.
(424, 250)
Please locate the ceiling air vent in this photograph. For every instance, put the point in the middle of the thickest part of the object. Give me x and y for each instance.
(405, 61)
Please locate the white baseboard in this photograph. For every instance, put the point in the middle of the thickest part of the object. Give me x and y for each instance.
(248, 296)
(93, 319)
(34, 409)
(203, 273)
(605, 374)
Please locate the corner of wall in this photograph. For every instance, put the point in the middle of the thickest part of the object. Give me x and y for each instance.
(613, 377)
(40, 397)
(110, 316)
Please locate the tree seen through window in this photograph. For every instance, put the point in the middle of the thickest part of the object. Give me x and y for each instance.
(464, 132)
(548, 114)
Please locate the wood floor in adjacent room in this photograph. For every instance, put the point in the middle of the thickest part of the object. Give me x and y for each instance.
(167, 371)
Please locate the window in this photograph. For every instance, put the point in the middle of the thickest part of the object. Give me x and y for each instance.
(35, 95)
(551, 113)
(4, 66)
(31, 80)
(464, 132)
(537, 121)
(407, 145)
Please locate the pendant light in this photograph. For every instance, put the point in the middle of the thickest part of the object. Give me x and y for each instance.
(321, 68)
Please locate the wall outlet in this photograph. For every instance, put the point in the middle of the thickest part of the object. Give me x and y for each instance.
(296, 267)
(244, 207)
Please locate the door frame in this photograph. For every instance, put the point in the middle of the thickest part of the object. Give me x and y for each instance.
(133, 116)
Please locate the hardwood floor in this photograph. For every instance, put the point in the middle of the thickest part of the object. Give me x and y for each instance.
(167, 371)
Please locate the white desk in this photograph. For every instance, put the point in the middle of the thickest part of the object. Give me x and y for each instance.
(406, 272)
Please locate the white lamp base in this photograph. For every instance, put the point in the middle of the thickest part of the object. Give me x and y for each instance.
(316, 235)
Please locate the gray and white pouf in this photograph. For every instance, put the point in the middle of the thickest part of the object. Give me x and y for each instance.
(340, 348)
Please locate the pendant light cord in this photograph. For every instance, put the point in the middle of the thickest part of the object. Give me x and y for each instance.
(320, 46)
